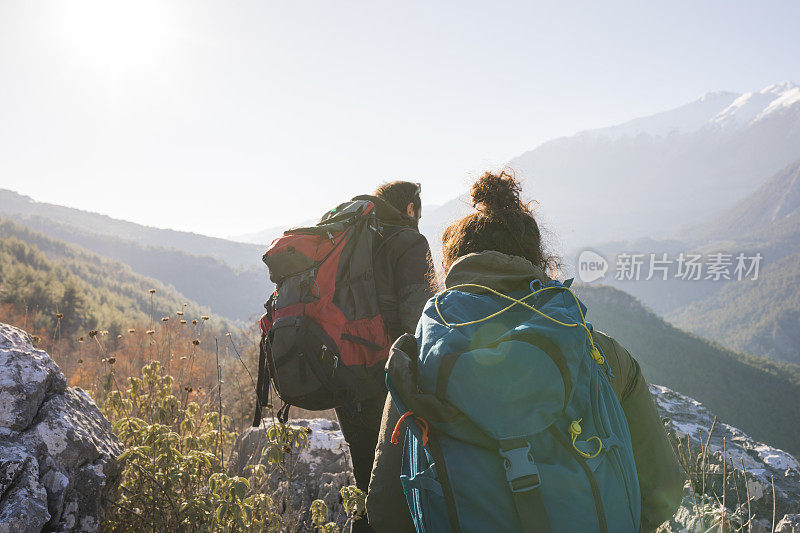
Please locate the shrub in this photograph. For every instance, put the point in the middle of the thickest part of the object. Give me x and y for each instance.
(173, 475)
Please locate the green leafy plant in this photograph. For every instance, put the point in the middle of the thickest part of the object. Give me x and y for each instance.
(173, 476)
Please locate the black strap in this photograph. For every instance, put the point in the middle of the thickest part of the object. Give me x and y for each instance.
(362, 341)
(283, 413)
(524, 483)
(531, 511)
(444, 480)
(262, 385)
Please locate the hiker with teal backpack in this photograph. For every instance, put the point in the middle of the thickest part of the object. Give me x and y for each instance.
(507, 410)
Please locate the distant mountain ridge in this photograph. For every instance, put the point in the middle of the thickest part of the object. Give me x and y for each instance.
(228, 277)
(683, 119)
(759, 317)
(774, 205)
(715, 109)
(651, 176)
(13, 204)
(655, 175)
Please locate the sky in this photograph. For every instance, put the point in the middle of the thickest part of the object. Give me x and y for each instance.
(226, 118)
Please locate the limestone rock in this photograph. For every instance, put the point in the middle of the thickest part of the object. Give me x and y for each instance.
(57, 451)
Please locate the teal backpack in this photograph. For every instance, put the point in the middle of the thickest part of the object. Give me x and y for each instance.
(533, 438)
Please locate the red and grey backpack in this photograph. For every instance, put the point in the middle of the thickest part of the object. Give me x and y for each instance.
(324, 341)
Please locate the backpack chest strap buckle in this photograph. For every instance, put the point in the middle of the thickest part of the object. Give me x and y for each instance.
(522, 473)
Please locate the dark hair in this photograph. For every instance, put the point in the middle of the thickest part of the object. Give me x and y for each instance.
(502, 222)
(399, 194)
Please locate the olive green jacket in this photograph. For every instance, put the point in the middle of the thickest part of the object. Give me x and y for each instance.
(661, 478)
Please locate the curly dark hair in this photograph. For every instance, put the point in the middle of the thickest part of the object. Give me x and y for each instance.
(501, 222)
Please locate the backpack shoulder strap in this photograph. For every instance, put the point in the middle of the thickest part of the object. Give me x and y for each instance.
(522, 475)
(385, 240)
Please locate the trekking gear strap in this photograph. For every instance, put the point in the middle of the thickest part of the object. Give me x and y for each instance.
(283, 413)
(522, 475)
(262, 385)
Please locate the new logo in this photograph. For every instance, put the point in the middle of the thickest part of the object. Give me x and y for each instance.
(591, 266)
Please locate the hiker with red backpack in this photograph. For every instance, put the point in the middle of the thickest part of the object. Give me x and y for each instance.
(508, 411)
(346, 289)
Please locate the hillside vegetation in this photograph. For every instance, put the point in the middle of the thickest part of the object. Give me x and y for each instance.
(237, 293)
(758, 317)
(42, 277)
(753, 394)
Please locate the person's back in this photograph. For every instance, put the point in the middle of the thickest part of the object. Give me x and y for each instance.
(500, 248)
(402, 271)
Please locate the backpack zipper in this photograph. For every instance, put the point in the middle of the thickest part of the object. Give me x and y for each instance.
(598, 500)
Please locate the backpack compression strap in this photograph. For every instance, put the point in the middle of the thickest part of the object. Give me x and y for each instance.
(262, 386)
(523, 480)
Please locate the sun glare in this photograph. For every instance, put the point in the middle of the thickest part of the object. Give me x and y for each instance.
(110, 33)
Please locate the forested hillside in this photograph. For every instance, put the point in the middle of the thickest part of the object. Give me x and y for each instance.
(42, 278)
(759, 317)
(237, 293)
(754, 394)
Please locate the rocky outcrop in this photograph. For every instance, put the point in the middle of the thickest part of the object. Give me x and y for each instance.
(789, 524)
(324, 468)
(57, 450)
(750, 468)
(317, 473)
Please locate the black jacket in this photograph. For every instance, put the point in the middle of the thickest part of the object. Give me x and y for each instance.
(403, 269)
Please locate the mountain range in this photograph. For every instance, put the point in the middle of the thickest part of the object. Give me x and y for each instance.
(718, 174)
(14, 205)
(655, 175)
(756, 316)
(234, 286)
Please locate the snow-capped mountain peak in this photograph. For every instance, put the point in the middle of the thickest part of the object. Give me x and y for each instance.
(779, 88)
(755, 106)
(685, 119)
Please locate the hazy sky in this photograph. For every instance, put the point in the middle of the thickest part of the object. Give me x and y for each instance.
(228, 117)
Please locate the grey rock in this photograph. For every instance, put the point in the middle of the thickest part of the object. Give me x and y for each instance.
(688, 421)
(57, 451)
(23, 502)
(317, 473)
(789, 524)
(28, 376)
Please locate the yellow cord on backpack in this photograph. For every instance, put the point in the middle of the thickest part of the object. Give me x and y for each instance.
(575, 426)
(595, 353)
(575, 430)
